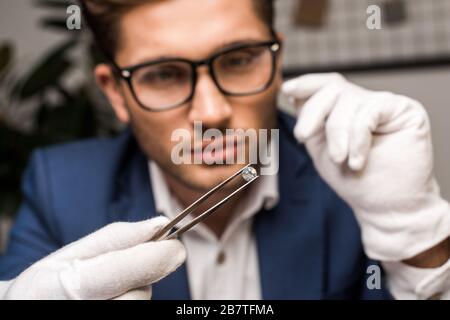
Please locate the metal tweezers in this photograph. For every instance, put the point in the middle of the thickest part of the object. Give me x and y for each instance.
(163, 233)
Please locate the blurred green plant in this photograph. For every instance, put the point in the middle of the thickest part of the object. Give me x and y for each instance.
(75, 114)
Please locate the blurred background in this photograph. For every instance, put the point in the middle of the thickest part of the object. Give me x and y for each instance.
(47, 93)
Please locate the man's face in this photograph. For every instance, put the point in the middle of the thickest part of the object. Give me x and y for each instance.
(192, 30)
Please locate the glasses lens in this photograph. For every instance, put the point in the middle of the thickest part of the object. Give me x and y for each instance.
(163, 85)
(244, 71)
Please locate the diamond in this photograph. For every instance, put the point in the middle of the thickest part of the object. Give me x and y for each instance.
(249, 173)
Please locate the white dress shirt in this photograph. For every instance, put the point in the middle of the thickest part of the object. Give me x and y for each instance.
(228, 268)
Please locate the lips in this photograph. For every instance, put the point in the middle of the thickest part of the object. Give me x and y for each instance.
(218, 150)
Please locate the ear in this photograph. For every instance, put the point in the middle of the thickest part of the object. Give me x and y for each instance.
(111, 88)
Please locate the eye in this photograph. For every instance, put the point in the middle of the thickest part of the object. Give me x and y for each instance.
(241, 59)
(237, 60)
(162, 75)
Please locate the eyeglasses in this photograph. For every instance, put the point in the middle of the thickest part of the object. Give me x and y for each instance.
(169, 83)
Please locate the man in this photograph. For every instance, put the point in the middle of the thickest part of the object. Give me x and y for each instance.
(361, 184)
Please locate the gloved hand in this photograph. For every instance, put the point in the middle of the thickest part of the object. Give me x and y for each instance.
(374, 149)
(116, 262)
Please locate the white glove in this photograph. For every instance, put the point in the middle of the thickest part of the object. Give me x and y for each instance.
(374, 149)
(116, 262)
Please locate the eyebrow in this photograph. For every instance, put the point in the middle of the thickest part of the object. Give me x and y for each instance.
(222, 47)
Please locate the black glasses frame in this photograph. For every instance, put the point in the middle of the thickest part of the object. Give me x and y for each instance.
(127, 72)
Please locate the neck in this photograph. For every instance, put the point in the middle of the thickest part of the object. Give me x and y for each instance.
(218, 221)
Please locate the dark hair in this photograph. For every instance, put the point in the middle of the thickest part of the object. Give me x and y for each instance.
(103, 16)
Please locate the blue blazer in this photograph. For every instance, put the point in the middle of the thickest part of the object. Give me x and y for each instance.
(309, 245)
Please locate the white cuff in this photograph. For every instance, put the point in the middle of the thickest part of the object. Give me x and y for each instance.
(4, 287)
(409, 283)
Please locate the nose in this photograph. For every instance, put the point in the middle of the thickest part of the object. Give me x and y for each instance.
(208, 104)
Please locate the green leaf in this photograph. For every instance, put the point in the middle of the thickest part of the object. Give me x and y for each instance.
(72, 120)
(6, 53)
(58, 20)
(47, 73)
(59, 24)
(9, 200)
(54, 4)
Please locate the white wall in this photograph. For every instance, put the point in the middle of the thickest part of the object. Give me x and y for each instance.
(19, 24)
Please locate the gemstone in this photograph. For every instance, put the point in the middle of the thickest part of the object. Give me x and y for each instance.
(249, 173)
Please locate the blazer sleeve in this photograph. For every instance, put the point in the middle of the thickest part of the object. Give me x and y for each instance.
(34, 232)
